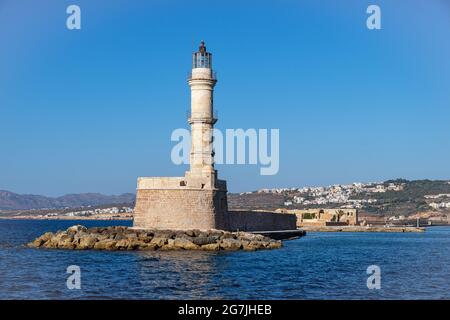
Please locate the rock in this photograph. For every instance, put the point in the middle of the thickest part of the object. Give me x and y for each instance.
(55, 240)
(193, 233)
(87, 242)
(127, 244)
(78, 236)
(112, 236)
(149, 246)
(120, 236)
(123, 238)
(95, 230)
(101, 237)
(66, 242)
(159, 241)
(47, 236)
(254, 245)
(122, 244)
(249, 247)
(77, 228)
(52, 243)
(145, 236)
(169, 245)
(204, 240)
(184, 244)
(36, 243)
(216, 233)
(40, 241)
(228, 235)
(107, 244)
(164, 234)
(135, 244)
(211, 247)
(230, 244)
(275, 245)
(129, 235)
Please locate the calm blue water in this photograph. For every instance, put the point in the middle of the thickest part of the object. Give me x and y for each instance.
(318, 266)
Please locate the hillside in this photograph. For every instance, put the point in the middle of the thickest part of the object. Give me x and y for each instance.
(393, 197)
(14, 201)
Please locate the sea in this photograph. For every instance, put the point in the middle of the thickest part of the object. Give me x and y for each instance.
(320, 266)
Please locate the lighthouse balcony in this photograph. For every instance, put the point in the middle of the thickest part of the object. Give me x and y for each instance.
(208, 75)
(202, 116)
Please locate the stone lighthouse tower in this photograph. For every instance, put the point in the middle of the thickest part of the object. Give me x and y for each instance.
(198, 200)
(201, 118)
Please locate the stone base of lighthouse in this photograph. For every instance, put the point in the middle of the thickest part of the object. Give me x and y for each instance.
(186, 203)
(181, 203)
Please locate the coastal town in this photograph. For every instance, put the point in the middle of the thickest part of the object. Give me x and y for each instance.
(391, 202)
(350, 196)
(81, 213)
(394, 202)
(335, 194)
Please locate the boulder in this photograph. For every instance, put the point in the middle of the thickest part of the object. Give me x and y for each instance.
(40, 241)
(149, 246)
(47, 236)
(122, 244)
(145, 236)
(230, 244)
(77, 228)
(36, 243)
(204, 240)
(134, 244)
(185, 244)
(159, 241)
(169, 245)
(52, 243)
(165, 234)
(211, 247)
(94, 230)
(274, 245)
(228, 235)
(193, 233)
(66, 242)
(101, 236)
(120, 236)
(107, 244)
(87, 242)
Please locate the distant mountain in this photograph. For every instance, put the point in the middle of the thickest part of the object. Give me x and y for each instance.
(14, 201)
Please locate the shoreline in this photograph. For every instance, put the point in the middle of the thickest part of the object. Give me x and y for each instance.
(363, 229)
(95, 218)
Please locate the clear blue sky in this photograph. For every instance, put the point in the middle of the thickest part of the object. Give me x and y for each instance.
(91, 110)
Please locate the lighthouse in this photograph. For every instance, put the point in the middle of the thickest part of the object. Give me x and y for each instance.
(199, 199)
(202, 117)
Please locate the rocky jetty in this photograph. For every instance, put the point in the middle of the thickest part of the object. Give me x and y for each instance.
(122, 238)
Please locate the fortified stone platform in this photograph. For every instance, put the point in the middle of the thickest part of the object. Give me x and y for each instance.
(180, 203)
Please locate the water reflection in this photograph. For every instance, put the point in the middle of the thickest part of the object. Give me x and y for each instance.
(171, 274)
